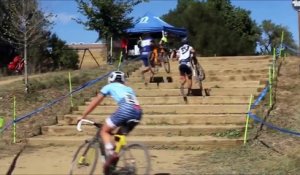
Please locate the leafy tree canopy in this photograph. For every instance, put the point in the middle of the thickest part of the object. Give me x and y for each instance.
(22, 24)
(62, 56)
(271, 37)
(107, 17)
(216, 27)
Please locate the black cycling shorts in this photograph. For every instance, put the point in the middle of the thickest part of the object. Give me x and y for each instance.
(185, 70)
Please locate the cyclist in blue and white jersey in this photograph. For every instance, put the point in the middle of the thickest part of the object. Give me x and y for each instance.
(184, 55)
(147, 46)
(129, 111)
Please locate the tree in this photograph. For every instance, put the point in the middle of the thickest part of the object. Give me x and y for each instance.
(63, 57)
(6, 49)
(110, 18)
(24, 26)
(271, 37)
(216, 27)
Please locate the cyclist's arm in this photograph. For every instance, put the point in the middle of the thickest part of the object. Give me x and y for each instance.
(98, 99)
(177, 55)
(193, 52)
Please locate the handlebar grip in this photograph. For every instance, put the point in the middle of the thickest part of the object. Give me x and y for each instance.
(80, 123)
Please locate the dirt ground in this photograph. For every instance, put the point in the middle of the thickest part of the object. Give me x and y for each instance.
(271, 152)
(57, 159)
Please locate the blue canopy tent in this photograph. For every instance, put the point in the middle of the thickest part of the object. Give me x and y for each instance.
(153, 24)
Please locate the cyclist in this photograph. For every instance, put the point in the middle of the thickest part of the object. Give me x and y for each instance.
(129, 110)
(163, 44)
(164, 40)
(147, 46)
(184, 55)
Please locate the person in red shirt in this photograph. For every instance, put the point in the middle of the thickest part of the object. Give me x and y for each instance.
(124, 44)
(17, 64)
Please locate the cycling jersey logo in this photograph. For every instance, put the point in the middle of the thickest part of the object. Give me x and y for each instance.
(184, 49)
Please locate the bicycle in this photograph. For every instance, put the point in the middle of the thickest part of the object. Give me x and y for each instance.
(160, 59)
(86, 157)
(164, 58)
(199, 74)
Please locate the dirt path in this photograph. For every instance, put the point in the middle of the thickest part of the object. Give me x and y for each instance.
(16, 78)
(8, 81)
(11, 79)
(56, 160)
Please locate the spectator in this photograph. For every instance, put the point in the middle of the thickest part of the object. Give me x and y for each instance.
(17, 64)
(124, 47)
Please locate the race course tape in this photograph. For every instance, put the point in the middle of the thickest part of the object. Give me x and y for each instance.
(256, 118)
(292, 49)
(260, 97)
(40, 109)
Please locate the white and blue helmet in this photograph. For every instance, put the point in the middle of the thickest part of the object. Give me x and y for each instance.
(116, 76)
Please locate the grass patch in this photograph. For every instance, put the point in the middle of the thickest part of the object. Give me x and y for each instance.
(45, 88)
(233, 133)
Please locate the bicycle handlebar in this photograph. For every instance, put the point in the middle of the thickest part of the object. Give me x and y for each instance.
(80, 123)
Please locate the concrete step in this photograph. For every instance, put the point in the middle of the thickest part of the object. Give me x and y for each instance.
(210, 64)
(178, 142)
(169, 119)
(228, 64)
(206, 84)
(236, 58)
(213, 92)
(175, 109)
(176, 78)
(212, 72)
(146, 130)
(191, 100)
(223, 60)
(252, 66)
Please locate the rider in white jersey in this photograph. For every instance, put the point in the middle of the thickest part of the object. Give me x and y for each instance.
(184, 55)
(127, 116)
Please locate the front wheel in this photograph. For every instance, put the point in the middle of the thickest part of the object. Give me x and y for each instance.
(85, 159)
(134, 159)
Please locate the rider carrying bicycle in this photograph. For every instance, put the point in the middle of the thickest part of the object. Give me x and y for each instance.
(147, 46)
(163, 48)
(164, 40)
(185, 54)
(128, 111)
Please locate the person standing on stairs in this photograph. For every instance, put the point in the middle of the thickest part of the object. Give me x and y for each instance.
(147, 46)
(184, 55)
(126, 117)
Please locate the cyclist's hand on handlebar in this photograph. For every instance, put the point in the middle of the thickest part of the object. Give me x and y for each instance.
(78, 119)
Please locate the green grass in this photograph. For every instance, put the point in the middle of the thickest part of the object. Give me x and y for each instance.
(233, 133)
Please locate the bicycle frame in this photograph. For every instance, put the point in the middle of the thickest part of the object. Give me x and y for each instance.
(120, 142)
(119, 138)
(83, 160)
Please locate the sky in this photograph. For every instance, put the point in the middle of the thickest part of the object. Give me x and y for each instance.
(280, 12)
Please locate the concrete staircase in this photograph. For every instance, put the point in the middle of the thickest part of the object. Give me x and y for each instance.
(210, 122)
